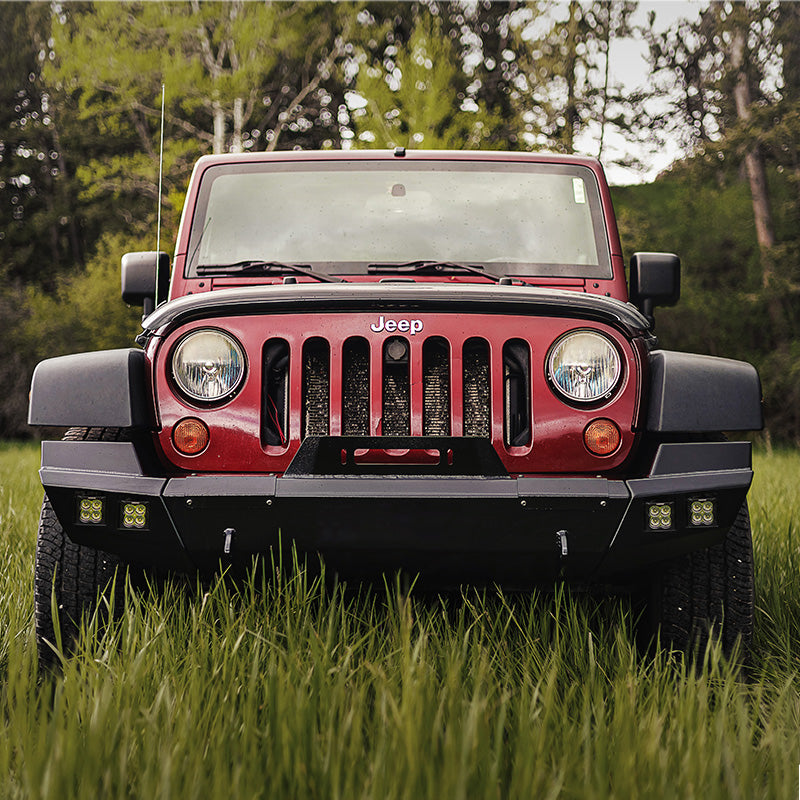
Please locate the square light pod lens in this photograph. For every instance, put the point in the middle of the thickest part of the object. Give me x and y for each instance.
(91, 510)
(660, 516)
(134, 515)
(702, 512)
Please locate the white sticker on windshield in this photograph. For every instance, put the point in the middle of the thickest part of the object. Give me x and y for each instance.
(579, 190)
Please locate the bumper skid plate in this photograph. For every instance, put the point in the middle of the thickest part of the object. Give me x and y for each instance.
(518, 531)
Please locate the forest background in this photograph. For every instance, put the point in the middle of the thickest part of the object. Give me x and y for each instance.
(80, 97)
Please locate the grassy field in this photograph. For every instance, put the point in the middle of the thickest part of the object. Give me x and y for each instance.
(291, 691)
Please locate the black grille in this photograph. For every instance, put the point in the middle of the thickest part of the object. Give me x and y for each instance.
(350, 410)
(477, 403)
(355, 387)
(436, 388)
(516, 393)
(396, 416)
(316, 387)
(275, 407)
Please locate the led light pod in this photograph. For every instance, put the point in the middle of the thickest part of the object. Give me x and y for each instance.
(134, 515)
(702, 513)
(660, 516)
(584, 366)
(91, 510)
(208, 366)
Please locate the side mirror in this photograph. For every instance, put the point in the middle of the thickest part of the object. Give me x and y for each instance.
(655, 280)
(145, 279)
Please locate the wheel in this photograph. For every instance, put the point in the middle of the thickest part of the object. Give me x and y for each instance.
(71, 575)
(708, 595)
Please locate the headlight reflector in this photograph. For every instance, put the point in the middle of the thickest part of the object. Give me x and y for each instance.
(584, 366)
(208, 365)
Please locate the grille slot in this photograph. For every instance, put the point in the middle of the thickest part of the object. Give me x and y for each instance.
(275, 394)
(355, 387)
(436, 387)
(316, 387)
(516, 393)
(396, 410)
(477, 403)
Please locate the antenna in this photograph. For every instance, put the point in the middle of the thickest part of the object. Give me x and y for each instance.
(160, 173)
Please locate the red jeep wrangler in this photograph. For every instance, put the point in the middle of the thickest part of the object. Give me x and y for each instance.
(424, 361)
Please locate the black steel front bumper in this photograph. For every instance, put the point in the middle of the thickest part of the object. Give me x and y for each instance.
(451, 529)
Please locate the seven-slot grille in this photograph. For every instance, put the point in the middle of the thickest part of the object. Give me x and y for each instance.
(397, 387)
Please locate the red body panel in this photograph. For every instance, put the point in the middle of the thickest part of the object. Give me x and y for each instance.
(557, 442)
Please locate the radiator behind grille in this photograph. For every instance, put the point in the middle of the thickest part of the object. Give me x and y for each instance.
(477, 405)
(436, 388)
(316, 387)
(355, 387)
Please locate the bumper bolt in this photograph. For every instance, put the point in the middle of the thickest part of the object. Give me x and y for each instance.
(523, 503)
(269, 502)
(188, 501)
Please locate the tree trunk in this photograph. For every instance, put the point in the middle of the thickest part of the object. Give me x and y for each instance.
(606, 42)
(238, 122)
(219, 127)
(754, 162)
(571, 111)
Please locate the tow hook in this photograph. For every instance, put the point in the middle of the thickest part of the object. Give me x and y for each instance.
(228, 533)
(561, 543)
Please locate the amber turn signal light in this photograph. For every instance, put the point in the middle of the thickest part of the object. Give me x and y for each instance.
(602, 437)
(190, 436)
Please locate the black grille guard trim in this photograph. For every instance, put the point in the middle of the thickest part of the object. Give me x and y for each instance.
(422, 298)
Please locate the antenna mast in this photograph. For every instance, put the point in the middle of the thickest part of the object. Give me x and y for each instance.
(160, 173)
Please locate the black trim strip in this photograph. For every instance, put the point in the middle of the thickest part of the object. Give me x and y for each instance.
(304, 298)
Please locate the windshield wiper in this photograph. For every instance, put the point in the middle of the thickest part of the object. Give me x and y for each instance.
(256, 267)
(434, 266)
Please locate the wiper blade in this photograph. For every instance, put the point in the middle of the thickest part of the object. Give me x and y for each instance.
(434, 266)
(256, 267)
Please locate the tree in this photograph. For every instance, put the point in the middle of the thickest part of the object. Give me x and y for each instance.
(563, 87)
(411, 101)
(39, 229)
(723, 62)
(238, 76)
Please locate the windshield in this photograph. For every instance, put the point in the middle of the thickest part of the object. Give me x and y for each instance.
(353, 217)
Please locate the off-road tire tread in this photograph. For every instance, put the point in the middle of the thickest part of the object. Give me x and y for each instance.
(709, 595)
(79, 571)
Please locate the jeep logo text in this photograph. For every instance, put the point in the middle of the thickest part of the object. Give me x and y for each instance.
(411, 326)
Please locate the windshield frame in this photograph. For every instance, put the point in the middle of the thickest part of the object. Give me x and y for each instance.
(600, 271)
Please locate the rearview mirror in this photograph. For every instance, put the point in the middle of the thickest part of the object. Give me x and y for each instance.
(145, 279)
(655, 280)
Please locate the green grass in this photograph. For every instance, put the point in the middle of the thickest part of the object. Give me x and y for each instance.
(289, 690)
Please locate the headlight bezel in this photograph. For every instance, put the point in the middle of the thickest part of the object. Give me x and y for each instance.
(185, 392)
(580, 402)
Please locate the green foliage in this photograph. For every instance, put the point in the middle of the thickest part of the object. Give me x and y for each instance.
(706, 218)
(415, 105)
(703, 212)
(86, 312)
(290, 688)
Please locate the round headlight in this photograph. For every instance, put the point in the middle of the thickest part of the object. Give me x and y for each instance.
(584, 366)
(208, 365)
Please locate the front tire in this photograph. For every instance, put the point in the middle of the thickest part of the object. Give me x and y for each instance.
(708, 595)
(68, 577)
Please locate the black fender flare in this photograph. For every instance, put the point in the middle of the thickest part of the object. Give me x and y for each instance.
(106, 388)
(692, 393)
